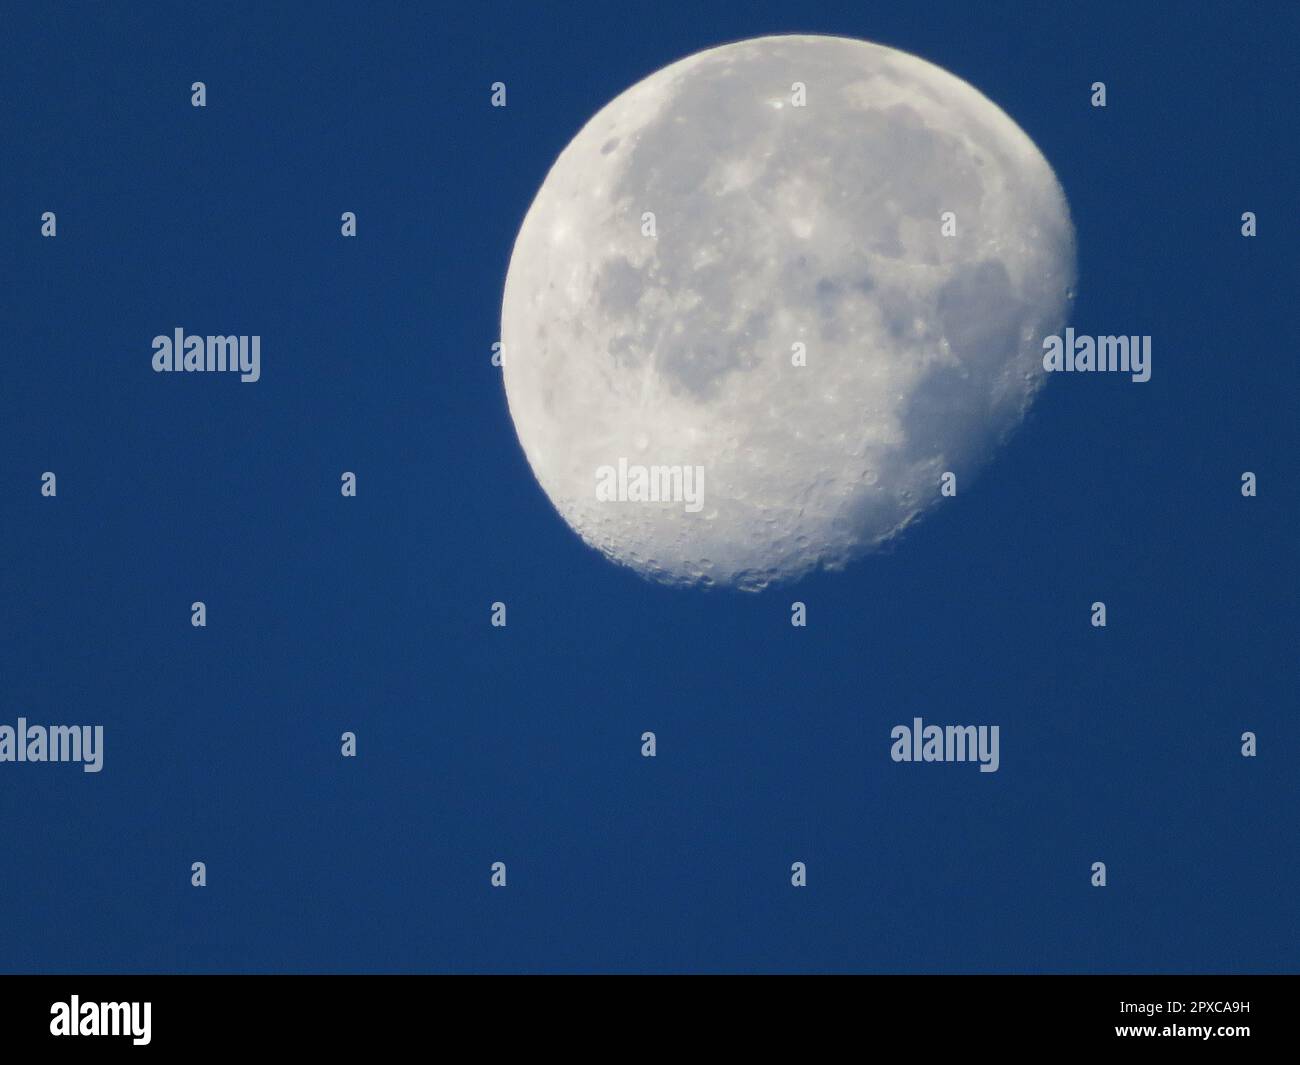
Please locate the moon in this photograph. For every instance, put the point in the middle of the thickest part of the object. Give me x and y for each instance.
(768, 297)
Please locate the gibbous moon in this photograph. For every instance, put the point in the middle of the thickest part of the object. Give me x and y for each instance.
(769, 296)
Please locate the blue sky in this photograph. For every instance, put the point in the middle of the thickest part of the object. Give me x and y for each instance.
(522, 745)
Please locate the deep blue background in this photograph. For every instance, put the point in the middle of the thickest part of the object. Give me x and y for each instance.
(478, 744)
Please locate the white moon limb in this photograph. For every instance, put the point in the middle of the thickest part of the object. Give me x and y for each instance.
(775, 225)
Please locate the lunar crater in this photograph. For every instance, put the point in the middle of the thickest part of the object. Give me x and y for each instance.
(817, 225)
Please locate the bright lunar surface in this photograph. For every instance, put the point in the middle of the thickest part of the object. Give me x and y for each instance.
(738, 343)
